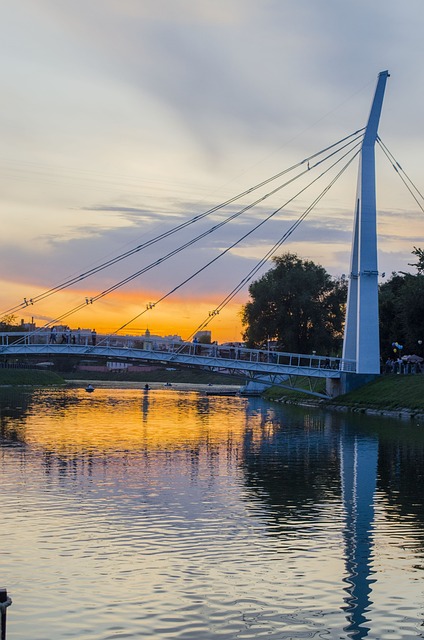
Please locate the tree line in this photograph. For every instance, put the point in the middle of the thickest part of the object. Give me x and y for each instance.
(298, 307)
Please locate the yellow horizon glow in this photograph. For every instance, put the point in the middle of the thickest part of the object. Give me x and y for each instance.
(180, 316)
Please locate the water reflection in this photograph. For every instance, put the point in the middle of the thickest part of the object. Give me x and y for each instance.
(359, 474)
(294, 470)
(14, 405)
(285, 517)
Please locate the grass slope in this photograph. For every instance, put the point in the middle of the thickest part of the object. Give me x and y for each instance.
(293, 395)
(388, 392)
(191, 376)
(30, 377)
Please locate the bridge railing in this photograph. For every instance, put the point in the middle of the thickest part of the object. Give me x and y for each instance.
(224, 351)
(43, 337)
(269, 356)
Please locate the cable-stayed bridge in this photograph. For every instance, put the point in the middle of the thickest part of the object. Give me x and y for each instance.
(265, 367)
(361, 355)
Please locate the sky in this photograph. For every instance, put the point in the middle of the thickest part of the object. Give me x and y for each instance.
(121, 119)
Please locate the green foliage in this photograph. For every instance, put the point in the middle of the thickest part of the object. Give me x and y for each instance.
(401, 307)
(297, 305)
(420, 264)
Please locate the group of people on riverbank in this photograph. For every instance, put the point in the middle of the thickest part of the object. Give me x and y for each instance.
(407, 364)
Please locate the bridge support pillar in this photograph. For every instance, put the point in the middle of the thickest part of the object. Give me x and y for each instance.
(254, 388)
(347, 382)
(333, 387)
(361, 340)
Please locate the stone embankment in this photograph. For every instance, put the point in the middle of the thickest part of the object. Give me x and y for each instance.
(402, 413)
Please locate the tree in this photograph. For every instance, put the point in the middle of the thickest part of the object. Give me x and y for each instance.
(298, 305)
(401, 306)
(420, 264)
(8, 322)
(402, 313)
(389, 300)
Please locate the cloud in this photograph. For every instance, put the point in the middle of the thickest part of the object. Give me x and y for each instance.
(123, 118)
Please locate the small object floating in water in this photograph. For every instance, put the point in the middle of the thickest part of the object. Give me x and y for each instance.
(89, 388)
(146, 387)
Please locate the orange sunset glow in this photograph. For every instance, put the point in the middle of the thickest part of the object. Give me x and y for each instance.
(126, 313)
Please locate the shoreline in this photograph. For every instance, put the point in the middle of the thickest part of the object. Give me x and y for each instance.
(358, 406)
(177, 386)
(402, 413)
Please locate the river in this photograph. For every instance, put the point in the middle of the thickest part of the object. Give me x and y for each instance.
(168, 514)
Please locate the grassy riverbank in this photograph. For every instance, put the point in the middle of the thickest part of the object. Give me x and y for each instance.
(33, 377)
(391, 392)
(37, 377)
(388, 392)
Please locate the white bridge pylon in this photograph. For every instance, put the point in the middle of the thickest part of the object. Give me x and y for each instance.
(362, 335)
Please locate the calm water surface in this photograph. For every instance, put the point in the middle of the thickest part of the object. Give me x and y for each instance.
(170, 515)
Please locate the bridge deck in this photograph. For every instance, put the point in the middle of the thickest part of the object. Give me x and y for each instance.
(253, 363)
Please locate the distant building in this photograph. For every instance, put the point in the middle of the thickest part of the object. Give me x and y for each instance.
(27, 326)
(205, 337)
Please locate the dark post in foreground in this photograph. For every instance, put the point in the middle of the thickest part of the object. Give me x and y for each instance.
(5, 602)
